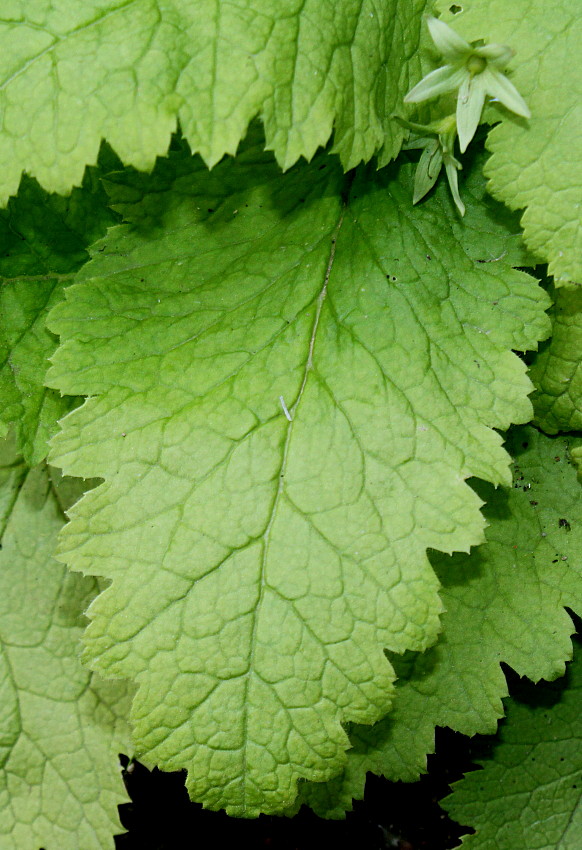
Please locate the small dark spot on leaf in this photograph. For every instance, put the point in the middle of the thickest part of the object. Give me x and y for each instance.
(428, 257)
(321, 167)
(533, 503)
(563, 523)
(557, 458)
(454, 9)
(210, 210)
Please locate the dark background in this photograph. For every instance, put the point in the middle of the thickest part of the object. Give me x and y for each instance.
(392, 815)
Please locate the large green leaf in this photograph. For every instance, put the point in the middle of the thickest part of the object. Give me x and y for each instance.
(537, 164)
(557, 368)
(504, 602)
(529, 791)
(73, 73)
(43, 241)
(60, 726)
(290, 379)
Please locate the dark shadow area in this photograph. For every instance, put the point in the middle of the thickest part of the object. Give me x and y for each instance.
(392, 815)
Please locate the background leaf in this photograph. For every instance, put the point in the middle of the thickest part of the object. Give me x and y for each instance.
(43, 241)
(72, 74)
(556, 370)
(537, 164)
(528, 793)
(60, 726)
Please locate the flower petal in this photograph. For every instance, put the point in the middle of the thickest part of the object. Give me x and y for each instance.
(499, 87)
(451, 171)
(497, 55)
(442, 80)
(469, 108)
(448, 42)
(427, 171)
(418, 143)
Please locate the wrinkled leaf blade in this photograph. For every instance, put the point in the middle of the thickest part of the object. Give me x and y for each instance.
(266, 368)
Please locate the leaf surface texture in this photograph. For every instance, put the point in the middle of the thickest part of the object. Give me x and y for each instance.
(290, 379)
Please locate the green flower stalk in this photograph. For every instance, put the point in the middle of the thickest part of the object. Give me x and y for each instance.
(437, 142)
(476, 70)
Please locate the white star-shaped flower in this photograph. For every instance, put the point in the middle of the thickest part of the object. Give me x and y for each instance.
(476, 71)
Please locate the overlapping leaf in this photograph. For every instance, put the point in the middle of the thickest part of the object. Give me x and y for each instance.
(60, 726)
(529, 791)
(557, 369)
(504, 602)
(290, 379)
(73, 73)
(537, 164)
(43, 241)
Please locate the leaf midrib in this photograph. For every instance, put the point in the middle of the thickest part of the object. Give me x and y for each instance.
(280, 487)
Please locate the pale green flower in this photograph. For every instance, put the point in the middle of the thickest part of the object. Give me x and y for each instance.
(437, 141)
(476, 71)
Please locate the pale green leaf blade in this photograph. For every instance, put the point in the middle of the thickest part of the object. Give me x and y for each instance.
(266, 365)
(43, 241)
(504, 603)
(73, 73)
(61, 727)
(557, 368)
(528, 793)
(537, 163)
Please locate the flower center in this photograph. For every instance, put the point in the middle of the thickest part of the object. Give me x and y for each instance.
(476, 64)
